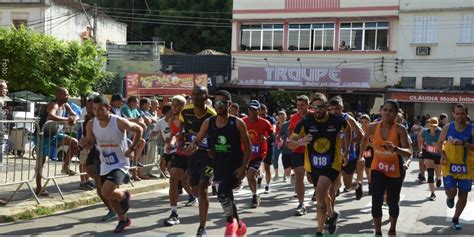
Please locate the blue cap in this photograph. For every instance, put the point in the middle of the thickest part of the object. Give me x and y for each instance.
(254, 104)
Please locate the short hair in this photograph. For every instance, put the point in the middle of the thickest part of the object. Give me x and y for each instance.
(101, 99)
(166, 108)
(154, 101)
(179, 98)
(336, 101)
(443, 116)
(281, 112)
(459, 105)
(235, 105)
(394, 103)
(303, 98)
(144, 101)
(132, 99)
(263, 106)
(365, 116)
(224, 93)
(320, 97)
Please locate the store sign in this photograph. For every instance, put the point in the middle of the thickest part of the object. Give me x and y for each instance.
(433, 98)
(160, 83)
(305, 77)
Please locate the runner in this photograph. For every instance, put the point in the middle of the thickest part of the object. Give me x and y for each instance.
(297, 156)
(278, 144)
(368, 153)
(456, 141)
(200, 164)
(416, 129)
(259, 130)
(390, 143)
(109, 133)
(429, 152)
(227, 136)
(319, 133)
(285, 151)
(263, 113)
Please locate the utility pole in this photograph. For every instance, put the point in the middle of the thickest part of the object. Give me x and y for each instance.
(95, 24)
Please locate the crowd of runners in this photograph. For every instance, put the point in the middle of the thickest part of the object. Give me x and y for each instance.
(213, 146)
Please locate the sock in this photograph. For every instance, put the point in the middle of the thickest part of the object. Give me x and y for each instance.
(174, 209)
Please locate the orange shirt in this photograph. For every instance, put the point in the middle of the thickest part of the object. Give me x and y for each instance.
(385, 161)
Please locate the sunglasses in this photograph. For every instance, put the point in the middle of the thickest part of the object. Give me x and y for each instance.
(220, 103)
(319, 106)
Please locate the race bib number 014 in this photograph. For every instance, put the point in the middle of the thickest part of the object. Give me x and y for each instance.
(321, 161)
(386, 167)
(457, 169)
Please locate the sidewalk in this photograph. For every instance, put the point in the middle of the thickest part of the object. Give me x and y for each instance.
(24, 207)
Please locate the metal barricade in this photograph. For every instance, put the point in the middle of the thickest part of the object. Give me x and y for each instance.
(18, 163)
(152, 156)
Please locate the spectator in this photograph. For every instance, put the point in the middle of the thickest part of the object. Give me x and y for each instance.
(443, 120)
(3, 98)
(116, 104)
(343, 46)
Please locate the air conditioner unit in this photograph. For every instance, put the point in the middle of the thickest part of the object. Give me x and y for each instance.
(423, 51)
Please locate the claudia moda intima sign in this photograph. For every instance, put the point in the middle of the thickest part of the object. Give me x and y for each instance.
(303, 77)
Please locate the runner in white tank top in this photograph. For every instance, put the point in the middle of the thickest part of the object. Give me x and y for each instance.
(109, 132)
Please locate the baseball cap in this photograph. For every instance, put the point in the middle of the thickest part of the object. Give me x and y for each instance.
(254, 104)
(433, 122)
(117, 98)
(92, 96)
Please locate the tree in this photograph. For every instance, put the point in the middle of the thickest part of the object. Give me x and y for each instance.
(40, 63)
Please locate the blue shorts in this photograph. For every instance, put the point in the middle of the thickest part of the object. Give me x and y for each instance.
(50, 144)
(450, 182)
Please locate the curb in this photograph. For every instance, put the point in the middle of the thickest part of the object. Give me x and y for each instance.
(72, 201)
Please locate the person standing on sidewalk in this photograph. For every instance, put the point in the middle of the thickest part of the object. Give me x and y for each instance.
(108, 132)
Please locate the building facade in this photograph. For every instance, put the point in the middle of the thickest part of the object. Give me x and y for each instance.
(63, 19)
(358, 49)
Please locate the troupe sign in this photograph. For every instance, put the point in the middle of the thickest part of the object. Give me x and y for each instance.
(434, 98)
(305, 77)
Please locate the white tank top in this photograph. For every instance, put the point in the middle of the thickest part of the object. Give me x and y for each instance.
(112, 145)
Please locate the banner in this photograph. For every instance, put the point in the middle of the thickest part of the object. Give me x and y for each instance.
(433, 97)
(305, 77)
(163, 84)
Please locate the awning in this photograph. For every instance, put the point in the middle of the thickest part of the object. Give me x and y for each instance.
(28, 96)
(464, 98)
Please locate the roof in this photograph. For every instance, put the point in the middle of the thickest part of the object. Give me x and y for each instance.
(210, 52)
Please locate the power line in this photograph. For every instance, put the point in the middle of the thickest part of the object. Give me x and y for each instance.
(203, 12)
(166, 16)
(172, 21)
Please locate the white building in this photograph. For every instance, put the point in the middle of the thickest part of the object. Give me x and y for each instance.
(356, 48)
(63, 19)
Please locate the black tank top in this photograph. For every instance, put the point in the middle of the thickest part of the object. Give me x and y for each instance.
(225, 142)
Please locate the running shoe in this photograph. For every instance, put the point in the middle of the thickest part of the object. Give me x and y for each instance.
(359, 192)
(450, 203)
(456, 226)
(85, 187)
(109, 216)
(255, 201)
(122, 225)
(267, 189)
(242, 229)
(231, 229)
(432, 197)
(172, 220)
(300, 210)
(125, 203)
(201, 232)
(192, 201)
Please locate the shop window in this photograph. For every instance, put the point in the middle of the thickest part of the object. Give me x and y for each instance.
(364, 36)
(424, 30)
(467, 29)
(467, 83)
(408, 82)
(437, 83)
(261, 37)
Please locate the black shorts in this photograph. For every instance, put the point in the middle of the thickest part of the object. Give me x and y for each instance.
(93, 156)
(297, 160)
(368, 162)
(167, 157)
(200, 168)
(179, 162)
(328, 172)
(350, 167)
(269, 157)
(116, 176)
(286, 159)
(255, 164)
(430, 156)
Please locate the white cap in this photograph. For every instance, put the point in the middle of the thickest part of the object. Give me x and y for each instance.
(92, 95)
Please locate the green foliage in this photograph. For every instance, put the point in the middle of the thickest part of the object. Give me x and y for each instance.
(285, 100)
(40, 63)
(109, 85)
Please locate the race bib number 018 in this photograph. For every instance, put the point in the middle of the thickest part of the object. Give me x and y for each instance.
(457, 169)
(386, 167)
(321, 161)
(255, 149)
(110, 158)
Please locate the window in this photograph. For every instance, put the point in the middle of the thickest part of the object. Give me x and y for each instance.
(437, 83)
(323, 36)
(467, 83)
(424, 30)
(261, 37)
(364, 35)
(18, 23)
(408, 82)
(467, 29)
(299, 37)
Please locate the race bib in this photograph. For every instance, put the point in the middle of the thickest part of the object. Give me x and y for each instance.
(458, 169)
(110, 158)
(386, 167)
(255, 149)
(431, 149)
(368, 153)
(321, 160)
(203, 143)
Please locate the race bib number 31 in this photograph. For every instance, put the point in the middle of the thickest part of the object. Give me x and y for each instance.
(321, 161)
(457, 169)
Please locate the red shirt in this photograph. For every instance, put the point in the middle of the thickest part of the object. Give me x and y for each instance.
(294, 120)
(258, 129)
